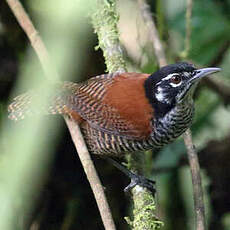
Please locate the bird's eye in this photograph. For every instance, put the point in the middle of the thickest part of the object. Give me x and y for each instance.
(176, 79)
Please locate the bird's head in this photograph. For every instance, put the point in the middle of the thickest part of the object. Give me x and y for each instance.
(174, 84)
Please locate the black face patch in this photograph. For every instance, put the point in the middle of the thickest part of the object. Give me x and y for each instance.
(165, 100)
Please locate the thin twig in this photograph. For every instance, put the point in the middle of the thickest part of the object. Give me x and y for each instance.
(196, 181)
(153, 33)
(192, 155)
(35, 40)
(220, 54)
(74, 129)
(220, 88)
(188, 27)
(91, 173)
(193, 160)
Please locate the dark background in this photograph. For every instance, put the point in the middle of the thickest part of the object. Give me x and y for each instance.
(66, 200)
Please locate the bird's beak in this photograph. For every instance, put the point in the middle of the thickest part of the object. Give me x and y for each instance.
(200, 73)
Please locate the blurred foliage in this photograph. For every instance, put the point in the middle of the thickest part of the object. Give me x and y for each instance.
(210, 30)
(64, 199)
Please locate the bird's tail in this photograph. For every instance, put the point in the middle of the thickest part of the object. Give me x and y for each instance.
(28, 104)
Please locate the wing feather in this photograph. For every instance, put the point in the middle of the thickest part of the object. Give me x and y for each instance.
(115, 104)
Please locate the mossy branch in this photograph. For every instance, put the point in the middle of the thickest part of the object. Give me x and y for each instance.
(105, 21)
(144, 209)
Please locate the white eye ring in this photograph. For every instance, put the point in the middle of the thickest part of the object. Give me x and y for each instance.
(175, 85)
(176, 79)
(170, 77)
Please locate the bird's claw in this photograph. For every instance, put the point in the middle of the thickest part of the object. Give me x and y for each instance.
(141, 181)
(135, 178)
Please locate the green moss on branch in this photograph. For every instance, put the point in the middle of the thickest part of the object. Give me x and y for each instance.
(105, 21)
(144, 209)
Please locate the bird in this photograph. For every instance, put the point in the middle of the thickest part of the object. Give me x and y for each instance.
(124, 112)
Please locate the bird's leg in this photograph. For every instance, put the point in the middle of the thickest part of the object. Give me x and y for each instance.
(135, 178)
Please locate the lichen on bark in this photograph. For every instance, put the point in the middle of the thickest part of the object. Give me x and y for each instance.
(144, 217)
(105, 21)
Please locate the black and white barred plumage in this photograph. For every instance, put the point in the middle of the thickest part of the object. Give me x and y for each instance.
(123, 112)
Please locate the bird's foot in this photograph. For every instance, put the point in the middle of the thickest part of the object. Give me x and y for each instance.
(135, 178)
(141, 181)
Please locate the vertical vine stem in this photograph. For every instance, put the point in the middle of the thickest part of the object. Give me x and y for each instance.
(105, 21)
(188, 27)
(196, 181)
(192, 155)
(41, 51)
(153, 32)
